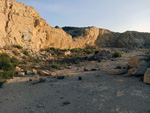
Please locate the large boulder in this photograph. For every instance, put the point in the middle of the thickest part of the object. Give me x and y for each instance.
(144, 63)
(134, 62)
(147, 76)
(140, 71)
(104, 54)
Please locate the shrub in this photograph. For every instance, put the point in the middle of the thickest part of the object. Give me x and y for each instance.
(18, 46)
(117, 54)
(26, 53)
(55, 66)
(7, 66)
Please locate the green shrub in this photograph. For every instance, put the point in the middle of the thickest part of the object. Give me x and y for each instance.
(117, 54)
(7, 66)
(18, 46)
(14, 61)
(55, 66)
(77, 50)
(26, 53)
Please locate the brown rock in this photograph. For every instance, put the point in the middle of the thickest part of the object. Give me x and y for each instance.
(45, 73)
(54, 74)
(147, 76)
(131, 71)
(34, 71)
(134, 62)
(18, 69)
(117, 71)
(21, 74)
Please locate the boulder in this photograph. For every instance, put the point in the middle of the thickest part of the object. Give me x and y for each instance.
(140, 71)
(117, 71)
(18, 69)
(34, 71)
(54, 74)
(134, 62)
(20, 74)
(147, 76)
(104, 54)
(45, 73)
(144, 63)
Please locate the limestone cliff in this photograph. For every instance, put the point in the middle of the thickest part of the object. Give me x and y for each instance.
(106, 38)
(21, 24)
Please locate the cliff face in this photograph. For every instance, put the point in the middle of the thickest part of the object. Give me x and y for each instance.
(21, 24)
(106, 38)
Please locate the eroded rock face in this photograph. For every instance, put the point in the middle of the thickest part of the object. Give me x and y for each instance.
(21, 24)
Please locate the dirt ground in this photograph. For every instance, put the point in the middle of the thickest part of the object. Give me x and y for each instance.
(97, 92)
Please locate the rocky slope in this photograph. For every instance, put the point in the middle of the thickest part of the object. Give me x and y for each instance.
(106, 38)
(21, 24)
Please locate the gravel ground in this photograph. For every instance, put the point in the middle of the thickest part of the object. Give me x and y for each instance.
(97, 92)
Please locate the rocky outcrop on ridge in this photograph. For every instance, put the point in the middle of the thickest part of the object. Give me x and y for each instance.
(106, 38)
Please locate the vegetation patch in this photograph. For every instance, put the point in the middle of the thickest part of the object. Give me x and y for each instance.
(18, 46)
(116, 54)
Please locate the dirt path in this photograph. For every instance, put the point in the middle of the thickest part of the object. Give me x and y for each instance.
(97, 92)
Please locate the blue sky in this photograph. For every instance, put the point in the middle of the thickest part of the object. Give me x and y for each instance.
(115, 15)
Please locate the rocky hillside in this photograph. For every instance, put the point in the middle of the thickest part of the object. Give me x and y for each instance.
(106, 38)
(21, 24)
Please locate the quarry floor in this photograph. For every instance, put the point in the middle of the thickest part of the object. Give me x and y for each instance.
(97, 92)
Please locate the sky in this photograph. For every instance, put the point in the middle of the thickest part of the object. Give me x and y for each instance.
(115, 15)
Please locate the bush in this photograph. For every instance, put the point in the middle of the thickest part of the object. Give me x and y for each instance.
(26, 53)
(18, 46)
(117, 54)
(7, 66)
(55, 66)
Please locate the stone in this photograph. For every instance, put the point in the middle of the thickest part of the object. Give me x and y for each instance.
(103, 55)
(140, 71)
(54, 74)
(144, 63)
(132, 71)
(117, 71)
(18, 69)
(34, 71)
(134, 62)
(66, 53)
(147, 76)
(20, 74)
(45, 73)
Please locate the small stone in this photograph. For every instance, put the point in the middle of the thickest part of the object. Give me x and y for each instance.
(66, 103)
(147, 76)
(20, 74)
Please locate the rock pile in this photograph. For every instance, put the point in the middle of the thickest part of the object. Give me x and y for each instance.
(139, 66)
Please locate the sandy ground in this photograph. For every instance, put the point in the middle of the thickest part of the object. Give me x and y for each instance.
(97, 92)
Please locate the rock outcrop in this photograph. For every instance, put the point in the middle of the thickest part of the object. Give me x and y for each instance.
(21, 24)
